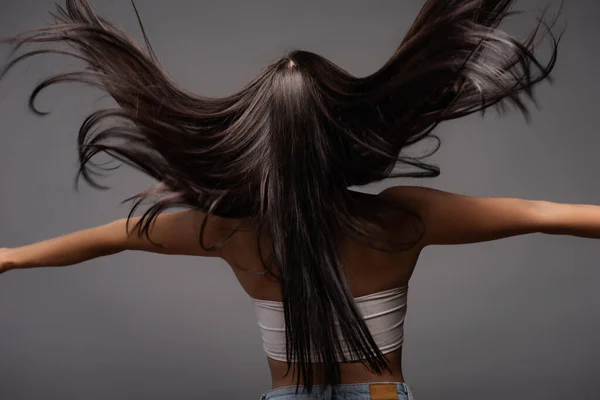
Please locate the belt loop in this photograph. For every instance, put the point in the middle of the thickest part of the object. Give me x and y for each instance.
(328, 395)
(408, 390)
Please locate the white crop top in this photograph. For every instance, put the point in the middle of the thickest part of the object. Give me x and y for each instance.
(383, 313)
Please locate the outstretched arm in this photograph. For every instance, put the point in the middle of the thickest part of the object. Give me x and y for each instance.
(452, 218)
(177, 232)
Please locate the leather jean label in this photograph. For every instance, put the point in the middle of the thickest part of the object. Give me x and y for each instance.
(383, 392)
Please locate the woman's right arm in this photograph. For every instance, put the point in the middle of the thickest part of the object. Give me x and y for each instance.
(4, 263)
(452, 218)
(68, 249)
(175, 233)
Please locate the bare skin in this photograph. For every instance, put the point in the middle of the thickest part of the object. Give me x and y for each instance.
(367, 271)
(449, 218)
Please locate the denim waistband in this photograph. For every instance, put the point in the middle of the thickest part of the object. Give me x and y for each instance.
(347, 391)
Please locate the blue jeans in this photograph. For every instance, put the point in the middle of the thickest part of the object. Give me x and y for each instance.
(347, 391)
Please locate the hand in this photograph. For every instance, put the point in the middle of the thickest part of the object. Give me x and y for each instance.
(4, 263)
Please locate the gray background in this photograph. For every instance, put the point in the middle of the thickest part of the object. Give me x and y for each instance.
(516, 318)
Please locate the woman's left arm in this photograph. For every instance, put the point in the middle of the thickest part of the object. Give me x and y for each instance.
(177, 232)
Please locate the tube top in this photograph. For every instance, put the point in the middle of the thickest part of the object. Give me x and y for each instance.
(383, 312)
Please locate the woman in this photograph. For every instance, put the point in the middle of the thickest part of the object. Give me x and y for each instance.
(265, 174)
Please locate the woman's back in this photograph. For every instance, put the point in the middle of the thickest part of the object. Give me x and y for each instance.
(367, 271)
(281, 153)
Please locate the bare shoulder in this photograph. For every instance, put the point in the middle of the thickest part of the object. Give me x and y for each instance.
(454, 218)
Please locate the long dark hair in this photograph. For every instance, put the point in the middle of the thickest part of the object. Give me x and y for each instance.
(282, 152)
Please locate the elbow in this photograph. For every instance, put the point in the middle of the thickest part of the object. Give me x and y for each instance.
(547, 218)
(114, 237)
